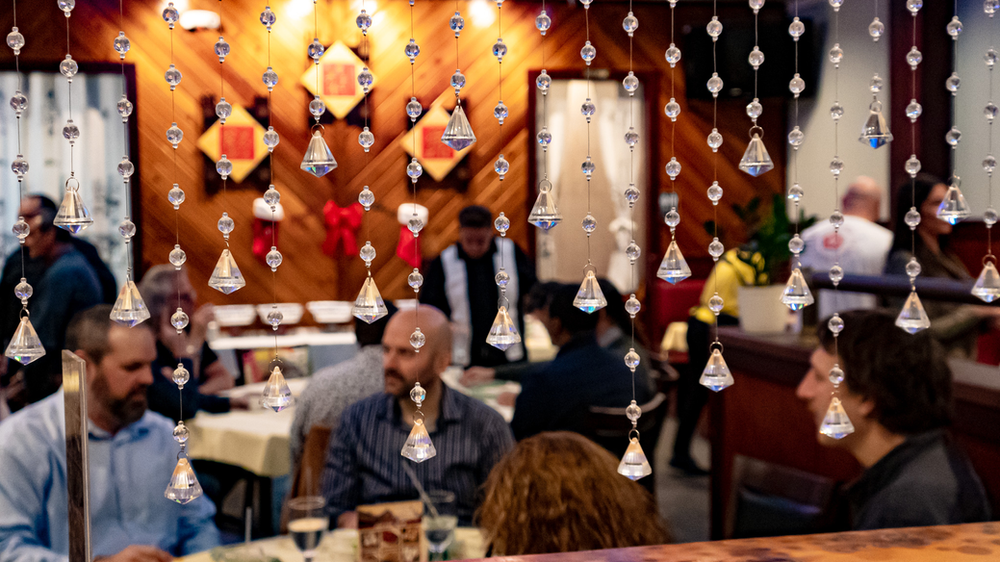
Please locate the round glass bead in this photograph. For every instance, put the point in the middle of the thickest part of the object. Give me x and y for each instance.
(221, 49)
(499, 49)
(23, 290)
(714, 140)
(502, 278)
(457, 23)
(269, 78)
(172, 76)
(632, 305)
(268, 18)
(836, 274)
(795, 192)
(991, 7)
(796, 28)
(543, 22)
(912, 218)
(544, 137)
(589, 224)
(631, 195)
(990, 216)
(953, 136)
(71, 132)
(181, 375)
(126, 229)
(223, 109)
(417, 339)
(367, 252)
(175, 196)
(796, 245)
(363, 21)
(588, 53)
(715, 193)
(716, 249)
(914, 6)
(543, 82)
(15, 41)
(457, 81)
(315, 49)
(415, 279)
(125, 168)
(502, 224)
(672, 218)
(224, 167)
(632, 359)
(66, 6)
(273, 258)
(177, 256)
(632, 251)
(796, 85)
(716, 303)
(953, 83)
(914, 57)
(989, 163)
(418, 394)
(954, 27)
(179, 319)
(174, 135)
(796, 137)
(631, 137)
(271, 139)
(274, 318)
(673, 55)
(836, 166)
(68, 67)
(672, 109)
(990, 58)
(714, 28)
(756, 5)
(317, 107)
(912, 165)
(588, 109)
(414, 170)
(836, 374)
(875, 86)
(754, 109)
(500, 112)
(714, 84)
(836, 54)
(365, 79)
(913, 268)
(630, 83)
(501, 166)
(756, 58)
(673, 168)
(415, 225)
(837, 218)
(121, 44)
(170, 15)
(19, 102)
(366, 139)
(414, 109)
(181, 433)
(913, 110)
(876, 28)
(366, 198)
(19, 166)
(226, 224)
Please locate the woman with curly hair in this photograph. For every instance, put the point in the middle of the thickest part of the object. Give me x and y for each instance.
(560, 492)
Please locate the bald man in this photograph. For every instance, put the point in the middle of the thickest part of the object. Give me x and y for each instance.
(364, 464)
(862, 246)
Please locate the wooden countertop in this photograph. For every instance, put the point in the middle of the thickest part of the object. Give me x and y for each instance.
(954, 543)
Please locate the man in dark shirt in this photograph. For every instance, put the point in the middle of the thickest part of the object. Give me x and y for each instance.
(897, 395)
(556, 396)
(460, 282)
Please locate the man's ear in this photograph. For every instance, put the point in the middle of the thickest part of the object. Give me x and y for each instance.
(866, 407)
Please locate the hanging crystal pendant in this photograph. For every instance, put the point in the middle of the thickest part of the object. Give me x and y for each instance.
(756, 160)
(987, 286)
(913, 317)
(875, 133)
(544, 213)
(953, 207)
(716, 375)
(674, 267)
(73, 214)
(418, 446)
(318, 159)
(369, 305)
(836, 424)
(184, 487)
(458, 133)
(503, 333)
(226, 276)
(796, 295)
(129, 309)
(634, 464)
(276, 395)
(590, 297)
(25, 346)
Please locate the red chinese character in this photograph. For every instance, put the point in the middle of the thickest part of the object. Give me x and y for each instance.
(236, 142)
(432, 145)
(339, 79)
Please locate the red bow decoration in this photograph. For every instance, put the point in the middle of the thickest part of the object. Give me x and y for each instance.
(342, 225)
(408, 249)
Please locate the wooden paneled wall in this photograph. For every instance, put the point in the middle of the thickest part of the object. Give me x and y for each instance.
(307, 273)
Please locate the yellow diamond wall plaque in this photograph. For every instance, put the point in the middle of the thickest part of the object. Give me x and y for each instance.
(335, 79)
(241, 139)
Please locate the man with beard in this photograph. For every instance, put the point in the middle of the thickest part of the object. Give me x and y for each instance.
(364, 465)
(131, 457)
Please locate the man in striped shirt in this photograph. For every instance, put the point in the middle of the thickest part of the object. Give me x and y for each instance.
(364, 465)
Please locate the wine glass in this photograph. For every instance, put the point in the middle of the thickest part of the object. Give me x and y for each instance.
(440, 522)
(306, 523)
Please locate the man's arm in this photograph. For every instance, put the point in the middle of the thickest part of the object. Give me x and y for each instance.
(341, 485)
(496, 441)
(533, 408)
(197, 527)
(25, 479)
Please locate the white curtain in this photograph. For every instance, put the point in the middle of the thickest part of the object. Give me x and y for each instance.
(95, 156)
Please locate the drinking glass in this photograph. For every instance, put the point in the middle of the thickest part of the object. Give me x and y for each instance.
(440, 522)
(306, 523)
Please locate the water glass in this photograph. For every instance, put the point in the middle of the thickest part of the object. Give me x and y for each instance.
(307, 523)
(439, 524)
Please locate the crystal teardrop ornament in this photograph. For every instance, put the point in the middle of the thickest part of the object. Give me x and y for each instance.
(418, 446)
(875, 132)
(987, 285)
(366, 139)
(73, 214)
(269, 78)
(953, 208)
(121, 45)
(589, 298)
(369, 306)
(544, 213)
(756, 160)
(716, 375)
(25, 346)
(796, 295)
(674, 267)
(634, 464)
(913, 317)
(276, 395)
(836, 424)
(503, 333)
(15, 41)
(183, 487)
(129, 308)
(318, 159)
(226, 277)
(458, 133)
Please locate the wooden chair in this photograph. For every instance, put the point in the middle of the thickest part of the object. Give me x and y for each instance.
(609, 428)
(307, 473)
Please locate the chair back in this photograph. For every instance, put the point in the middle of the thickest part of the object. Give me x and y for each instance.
(609, 428)
(306, 474)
